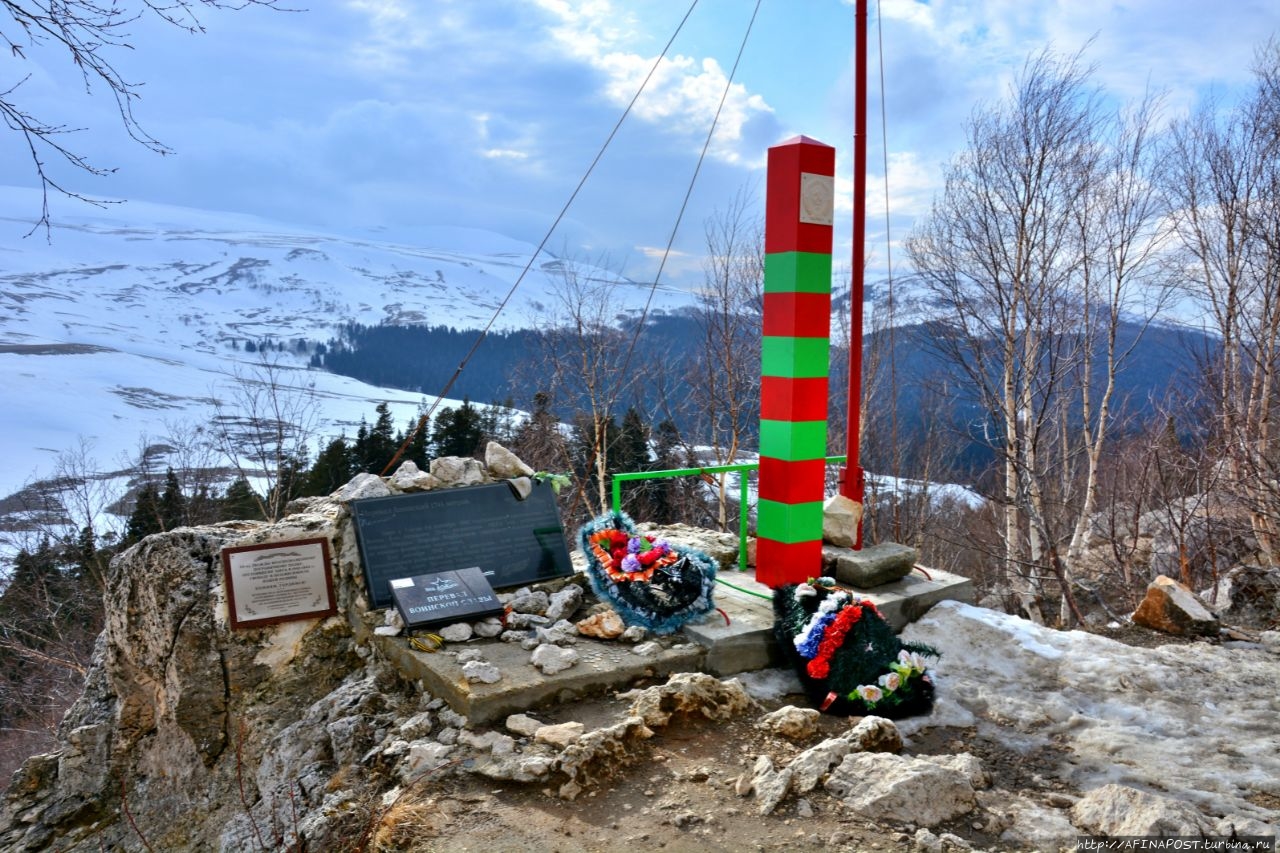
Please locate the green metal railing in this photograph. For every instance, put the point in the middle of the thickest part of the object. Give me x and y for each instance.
(743, 483)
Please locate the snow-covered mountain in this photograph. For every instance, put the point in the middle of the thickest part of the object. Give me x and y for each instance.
(135, 318)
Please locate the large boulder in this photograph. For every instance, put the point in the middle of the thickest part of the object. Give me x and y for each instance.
(1247, 596)
(721, 547)
(1170, 607)
(179, 710)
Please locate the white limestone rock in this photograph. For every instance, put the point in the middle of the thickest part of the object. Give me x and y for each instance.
(550, 658)
(1120, 810)
(563, 603)
(458, 632)
(363, 485)
(562, 633)
(416, 727)
(423, 756)
(770, 784)
(481, 672)
(560, 736)
(410, 478)
(1027, 824)
(881, 786)
(503, 464)
(523, 725)
(454, 471)
(495, 743)
(810, 767)
(487, 628)
(530, 602)
(647, 650)
(840, 519)
(875, 734)
(634, 634)
(791, 722)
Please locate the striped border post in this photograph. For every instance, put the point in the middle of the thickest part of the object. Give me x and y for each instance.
(800, 194)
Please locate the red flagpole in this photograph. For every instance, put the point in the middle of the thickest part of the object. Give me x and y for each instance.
(852, 477)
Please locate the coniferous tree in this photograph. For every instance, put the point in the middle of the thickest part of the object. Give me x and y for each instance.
(172, 507)
(458, 432)
(240, 502)
(332, 469)
(673, 499)
(375, 446)
(630, 453)
(539, 441)
(415, 441)
(145, 518)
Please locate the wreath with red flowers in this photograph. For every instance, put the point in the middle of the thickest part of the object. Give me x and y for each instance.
(849, 660)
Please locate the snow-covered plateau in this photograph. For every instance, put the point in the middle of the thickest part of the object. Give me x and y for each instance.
(126, 322)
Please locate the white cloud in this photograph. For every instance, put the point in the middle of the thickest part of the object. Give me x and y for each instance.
(684, 92)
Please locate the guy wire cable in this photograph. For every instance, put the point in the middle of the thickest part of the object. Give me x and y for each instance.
(684, 204)
(422, 421)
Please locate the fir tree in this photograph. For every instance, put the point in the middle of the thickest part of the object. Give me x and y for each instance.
(331, 471)
(539, 440)
(375, 447)
(172, 508)
(458, 432)
(629, 453)
(145, 518)
(240, 502)
(415, 440)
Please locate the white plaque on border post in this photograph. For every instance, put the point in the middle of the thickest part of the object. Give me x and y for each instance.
(278, 582)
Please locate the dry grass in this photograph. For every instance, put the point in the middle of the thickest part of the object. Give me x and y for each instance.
(409, 820)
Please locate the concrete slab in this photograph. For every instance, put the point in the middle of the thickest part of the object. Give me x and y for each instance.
(602, 666)
(744, 644)
(904, 601)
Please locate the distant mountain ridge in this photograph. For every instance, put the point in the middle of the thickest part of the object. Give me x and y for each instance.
(139, 315)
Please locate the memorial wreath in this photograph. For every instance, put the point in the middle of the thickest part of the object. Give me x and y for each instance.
(848, 658)
(648, 581)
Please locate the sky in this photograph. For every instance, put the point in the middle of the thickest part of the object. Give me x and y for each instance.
(381, 117)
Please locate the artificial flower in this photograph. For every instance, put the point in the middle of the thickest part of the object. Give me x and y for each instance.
(869, 693)
(890, 681)
(911, 660)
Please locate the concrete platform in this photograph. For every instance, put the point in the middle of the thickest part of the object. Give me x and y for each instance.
(603, 666)
(744, 644)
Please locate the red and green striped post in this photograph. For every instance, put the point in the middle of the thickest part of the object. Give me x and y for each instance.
(799, 200)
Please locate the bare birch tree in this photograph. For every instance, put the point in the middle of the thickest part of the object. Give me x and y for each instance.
(1035, 254)
(724, 378)
(590, 364)
(263, 428)
(1223, 185)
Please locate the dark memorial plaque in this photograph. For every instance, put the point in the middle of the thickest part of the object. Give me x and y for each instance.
(513, 542)
(444, 597)
(278, 582)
